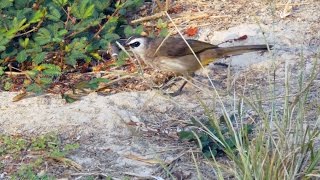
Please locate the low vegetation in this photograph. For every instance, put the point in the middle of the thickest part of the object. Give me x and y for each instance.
(282, 144)
(42, 40)
(29, 157)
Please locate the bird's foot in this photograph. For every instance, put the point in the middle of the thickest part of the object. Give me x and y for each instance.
(173, 94)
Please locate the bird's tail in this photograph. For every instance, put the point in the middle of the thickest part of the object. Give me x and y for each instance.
(221, 52)
(237, 50)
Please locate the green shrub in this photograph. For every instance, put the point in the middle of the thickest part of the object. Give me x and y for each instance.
(44, 38)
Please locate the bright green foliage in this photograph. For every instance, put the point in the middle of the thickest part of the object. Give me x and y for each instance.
(129, 31)
(92, 84)
(208, 145)
(59, 33)
(41, 77)
(1, 70)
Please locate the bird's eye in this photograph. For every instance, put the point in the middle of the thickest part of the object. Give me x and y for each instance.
(135, 44)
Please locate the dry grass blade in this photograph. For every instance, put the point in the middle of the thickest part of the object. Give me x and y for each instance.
(68, 162)
(287, 10)
(140, 176)
(142, 159)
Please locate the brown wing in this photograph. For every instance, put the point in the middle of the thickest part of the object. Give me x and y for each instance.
(174, 47)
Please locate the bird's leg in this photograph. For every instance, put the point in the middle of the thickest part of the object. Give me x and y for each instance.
(168, 82)
(178, 92)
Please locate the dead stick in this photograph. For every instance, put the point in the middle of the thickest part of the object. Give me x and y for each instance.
(159, 4)
(167, 5)
(155, 16)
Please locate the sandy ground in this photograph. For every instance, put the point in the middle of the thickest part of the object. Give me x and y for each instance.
(130, 132)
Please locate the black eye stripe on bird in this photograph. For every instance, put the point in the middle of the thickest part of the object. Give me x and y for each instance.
(174, 55)
(135, 44)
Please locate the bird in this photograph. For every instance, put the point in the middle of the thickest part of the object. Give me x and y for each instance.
(172, 54)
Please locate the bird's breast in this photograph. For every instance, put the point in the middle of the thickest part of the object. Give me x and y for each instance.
(182, 65)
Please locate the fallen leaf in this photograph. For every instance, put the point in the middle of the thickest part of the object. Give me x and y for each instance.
(175, 9)
(191, 31)
(19, 96)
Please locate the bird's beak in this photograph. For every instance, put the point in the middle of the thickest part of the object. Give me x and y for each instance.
(123, 42)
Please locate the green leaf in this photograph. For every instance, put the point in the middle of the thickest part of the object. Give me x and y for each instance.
(43, 36)
(61, 2)
(38, 16)
(122, 57)
(1, 70)
(32, 73)
(7, 85)
(161, 24)
(46, 81)
(139, 30)
(3, 42)
(230, 142)
(51, 69)
(74, 56)
(110, 26)
(111, 37)
(209, 154)
(2, 48)
(68, 98)
(5, 4)
(122, 11)
(52, 72)
(34, 88)
(88, 12)
(22, 56)
(10, 51)
(94, 83)
(20, 4)
(164, 32)
(186, 135)
(132, 4)
(118, 5)
(16, 26)
(39, 58)
(24, 43)
(84, 10)
(62, 32)
(128, 31)
(102, 4)
(54, 14)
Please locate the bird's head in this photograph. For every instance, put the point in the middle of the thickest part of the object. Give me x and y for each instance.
(137, 44)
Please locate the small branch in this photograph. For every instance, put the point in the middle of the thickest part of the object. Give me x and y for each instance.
(33, 29)
(15, 73)
(112, 82)
(167, 5)
(147, 18)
